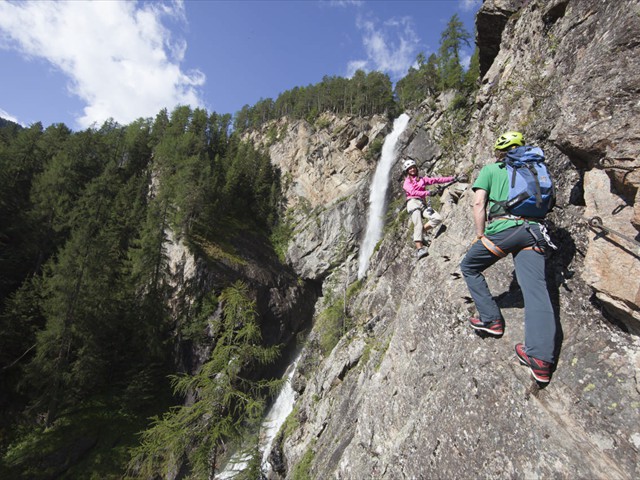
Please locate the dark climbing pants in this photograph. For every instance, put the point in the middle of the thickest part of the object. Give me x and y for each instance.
(539, 319)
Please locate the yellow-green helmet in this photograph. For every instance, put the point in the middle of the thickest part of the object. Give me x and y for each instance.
(508, 140)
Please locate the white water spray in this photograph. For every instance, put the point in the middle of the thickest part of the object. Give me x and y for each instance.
(378, 194)
(277, 414)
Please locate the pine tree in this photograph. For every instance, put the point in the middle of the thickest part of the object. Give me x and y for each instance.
(228, 403)
(85, 344)
(21, 160)
(472, 75)
(451, 41)
(418, 84)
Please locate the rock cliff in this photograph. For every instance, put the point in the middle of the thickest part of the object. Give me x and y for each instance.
(409, 391)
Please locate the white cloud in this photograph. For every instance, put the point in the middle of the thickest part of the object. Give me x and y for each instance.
(469, 5)
(390, 48)
(7, 116)
(345, 3)
(355, 65)
(120, 59)
(465, 61)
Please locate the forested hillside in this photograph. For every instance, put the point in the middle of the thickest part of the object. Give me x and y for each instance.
(93, 317)
(86, 332)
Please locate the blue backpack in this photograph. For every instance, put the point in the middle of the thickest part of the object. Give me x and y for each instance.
(532, 193)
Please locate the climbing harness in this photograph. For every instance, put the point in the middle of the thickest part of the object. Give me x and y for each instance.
(596, 222)
(496, 250)
(545, 233)
(493, 248)
(423, 206)
(539, 246)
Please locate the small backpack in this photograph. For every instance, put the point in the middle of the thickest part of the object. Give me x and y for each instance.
(532, 192)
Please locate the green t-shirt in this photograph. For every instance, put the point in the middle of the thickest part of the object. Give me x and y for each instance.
(494, 179)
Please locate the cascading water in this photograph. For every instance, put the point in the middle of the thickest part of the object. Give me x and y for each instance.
(272, 422)
(378, 194)
(277, 414)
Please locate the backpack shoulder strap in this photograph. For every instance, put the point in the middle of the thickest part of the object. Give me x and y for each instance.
(534, 172)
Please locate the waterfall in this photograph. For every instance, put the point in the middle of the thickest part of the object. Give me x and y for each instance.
(275, 417)
(277, 414)
(378, 193)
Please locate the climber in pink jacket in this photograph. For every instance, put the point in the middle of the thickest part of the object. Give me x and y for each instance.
(415, 188)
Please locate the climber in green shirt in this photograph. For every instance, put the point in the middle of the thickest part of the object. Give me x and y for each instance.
(493, 179)
(525, 240)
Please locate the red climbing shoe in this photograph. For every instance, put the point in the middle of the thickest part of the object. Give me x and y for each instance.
(494, 327)
(540, 369)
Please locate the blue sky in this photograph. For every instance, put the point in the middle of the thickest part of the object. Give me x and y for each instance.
(81, 62)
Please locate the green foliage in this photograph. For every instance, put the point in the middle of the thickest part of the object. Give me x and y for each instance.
(217, 248)
(291, 423)
(354, 288)
(472, 75)
(253, 469)
(441, 71)
(376, 348)
(8, 130)
(459, 102)
(60, 450)
(228, 403)
(85, 222)
(363, 94)
(272, 135)
(302, 470)
(451, 41)
(397, 215)
(419, 83)
(68, 321)
(375, 148)
(381, 350)
(334, 321)
(332, 324)
(204, 308)
(81, 342)
(25, 234)
(322, 122)
(281, 234)
(454, 125)
(209, 180)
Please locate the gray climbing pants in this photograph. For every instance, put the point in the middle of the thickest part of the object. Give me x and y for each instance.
(529, 260)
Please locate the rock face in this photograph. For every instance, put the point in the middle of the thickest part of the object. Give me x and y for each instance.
(284, 302)
(324, 162)
(570, 73)
(409, 391)
(612, 264)
(325, 172)
(495, 15)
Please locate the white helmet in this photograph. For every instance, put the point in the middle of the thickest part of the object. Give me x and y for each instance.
(407, 164)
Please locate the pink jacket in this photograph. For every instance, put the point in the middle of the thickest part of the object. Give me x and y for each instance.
(414, 187)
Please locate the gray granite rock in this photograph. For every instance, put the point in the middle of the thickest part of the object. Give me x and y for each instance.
(410, 392)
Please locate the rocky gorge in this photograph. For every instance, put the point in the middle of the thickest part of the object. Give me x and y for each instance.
(409, 391)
